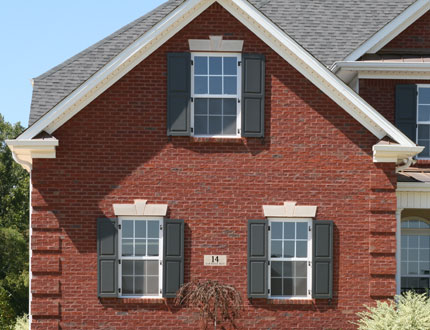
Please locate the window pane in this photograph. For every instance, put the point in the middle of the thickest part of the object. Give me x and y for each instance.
(276, 270)
(288, 268)
(413, 255)
(201, 85)
(215, 85)
(423, 132)
(289, 230)
(301, 268)
(127, 228)
(426, 152)
(201, 125)
(152, 267)
(215, 125)
(276, 287)
(413, 268)
(276, 249)
(152, 247)
(200, 65)
(288, 249)
(302, 230)
(424, 113)
(424, 268)
(215, 65)
(288, 287)
(230, 65)
(425, 242)
(152, 284)
(276, 230)
(140, 247)
(127, 285)
(230, 107)
(140, 229)
(404, 268)
(153, 229)
(127, 267)
(201, 106)
(139, 267)
(230, 85)
(138, 285)
(229, 125)
(302, 249)
(215, 106)
(127, 247)
(413, 241)
(404, 241)
(424, 95)
(301, 286)
(414, 224)
(404, 255)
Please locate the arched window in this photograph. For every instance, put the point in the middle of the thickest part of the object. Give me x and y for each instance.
(415, 254)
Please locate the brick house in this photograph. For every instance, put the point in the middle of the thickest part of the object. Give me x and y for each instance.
(280, 147)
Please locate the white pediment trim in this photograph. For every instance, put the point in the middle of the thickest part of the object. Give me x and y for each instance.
(140, 208)
(289, 210)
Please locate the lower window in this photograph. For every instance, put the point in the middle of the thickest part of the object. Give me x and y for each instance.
(140, 261)
(415, 255)
(290, 258)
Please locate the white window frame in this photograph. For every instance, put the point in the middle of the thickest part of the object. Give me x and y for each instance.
(222, 96)
(308, 259)
(419, 122)
(159, 257)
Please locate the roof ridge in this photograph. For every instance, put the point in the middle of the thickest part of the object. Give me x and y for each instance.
(102, 42)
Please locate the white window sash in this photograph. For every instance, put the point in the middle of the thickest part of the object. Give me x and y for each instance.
(419, 87)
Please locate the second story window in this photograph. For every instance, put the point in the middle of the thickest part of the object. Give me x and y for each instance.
(423, 120)
(215, 91)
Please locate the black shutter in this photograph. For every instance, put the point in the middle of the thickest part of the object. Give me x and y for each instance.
(178, 94)
(322, 259)
(173, 257)
(253, 78)
(107, 257)
(406, 110)
(257, 258)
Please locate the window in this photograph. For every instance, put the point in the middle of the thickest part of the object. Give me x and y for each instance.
(423, 120)
(215, 91)
(140, 251)
(415, 255)
(290, 258)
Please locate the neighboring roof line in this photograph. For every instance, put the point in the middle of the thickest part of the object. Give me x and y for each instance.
(259, 24)
(391, 30)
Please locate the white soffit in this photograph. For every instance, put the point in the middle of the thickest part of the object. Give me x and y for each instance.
(140, 208)
(289, 210)
(391, 30)
(255, 21)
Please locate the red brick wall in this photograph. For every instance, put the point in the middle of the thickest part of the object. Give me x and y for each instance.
(415, 36)
(116, 150)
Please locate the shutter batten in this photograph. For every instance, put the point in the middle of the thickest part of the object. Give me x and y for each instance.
(107, 257)
(257, 259)
(322, 259)
(406, 110)
(253, 85)
(178, 94)
(173, 257)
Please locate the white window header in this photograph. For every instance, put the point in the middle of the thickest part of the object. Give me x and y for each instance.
(289, 210)
(140, 208)
(215, 44)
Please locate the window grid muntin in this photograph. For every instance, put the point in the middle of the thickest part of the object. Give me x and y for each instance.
(425, 154)
(236, 96)
(141, 258)
(308, 259)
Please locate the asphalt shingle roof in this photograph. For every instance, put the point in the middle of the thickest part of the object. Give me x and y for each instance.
(329, 29)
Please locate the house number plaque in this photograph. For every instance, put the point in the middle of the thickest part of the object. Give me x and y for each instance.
(215, 260)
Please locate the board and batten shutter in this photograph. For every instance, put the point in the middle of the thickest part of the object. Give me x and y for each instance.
(178, 94)
(406, 110)
(253, 84)
(107, 257)
(322, 259)
(257, 258)
(173, 257)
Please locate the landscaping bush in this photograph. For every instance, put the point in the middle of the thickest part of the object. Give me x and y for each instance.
(22, 323)
(410, 311)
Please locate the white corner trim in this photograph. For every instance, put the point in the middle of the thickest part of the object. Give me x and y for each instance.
(289, 210)
(413, 186)
(256, 22)
(215, 44)
(394, 153)
(140, 208)
(23, 151)
(391, 30)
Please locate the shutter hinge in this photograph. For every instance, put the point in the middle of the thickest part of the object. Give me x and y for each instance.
(191, 129)
(238, 100)
(192, 99)
(119, 261)
(119, 226)
(161, 227)
(161, 291)
(309, 263)
(119, 290)
(310, 228)
(268, 262)
(161, 262)
(239, 63)
(238, 131)
(192, 62)
(268, 228)
(268, 291)
(309, 292)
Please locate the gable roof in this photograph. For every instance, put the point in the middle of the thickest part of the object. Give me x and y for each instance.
(329, 30)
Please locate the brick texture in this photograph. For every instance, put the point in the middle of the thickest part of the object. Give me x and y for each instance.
(45, 285)
(116, 150)
(45, 263)
(44, 307)
(45, 241)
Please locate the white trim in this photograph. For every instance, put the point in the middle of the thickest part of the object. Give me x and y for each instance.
(30, 254)
(289, 210)
(391, 30)
(140, 208)
(398, 249)
(413, 186)
(215, 44)
(394, 153)
(418, 122)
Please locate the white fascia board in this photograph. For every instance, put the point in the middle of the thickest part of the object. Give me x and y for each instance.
(118, 67)
(391, 30)
(313, 70)
(394, 153)
(413, 186)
